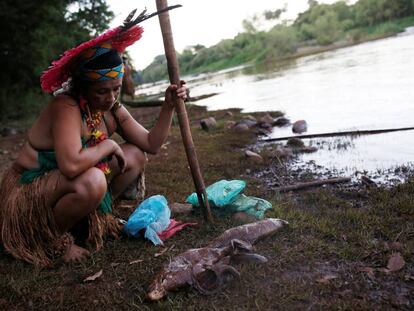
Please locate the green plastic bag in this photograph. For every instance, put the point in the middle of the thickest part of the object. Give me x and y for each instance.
(221, 193)
(225, 198)
(250, 205)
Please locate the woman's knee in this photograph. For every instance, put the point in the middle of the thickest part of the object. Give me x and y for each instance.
(91, 185)
(136, 159)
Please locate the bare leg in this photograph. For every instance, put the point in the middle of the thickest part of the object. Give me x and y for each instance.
(83, 195)
(135, 165)
(73, 200)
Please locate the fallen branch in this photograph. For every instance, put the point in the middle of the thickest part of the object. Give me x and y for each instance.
(315, 183)
(367, 181)
(143, 103)
(346, 133)
(157, 102)
(204, 96)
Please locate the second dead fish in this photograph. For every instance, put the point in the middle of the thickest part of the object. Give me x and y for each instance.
(208, 268)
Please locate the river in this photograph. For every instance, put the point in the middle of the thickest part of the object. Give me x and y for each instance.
(367, 86)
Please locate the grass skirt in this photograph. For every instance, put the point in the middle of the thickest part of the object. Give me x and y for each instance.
(27, 227)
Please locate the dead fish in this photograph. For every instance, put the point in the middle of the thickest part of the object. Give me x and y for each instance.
(207, 269)
(252, 232)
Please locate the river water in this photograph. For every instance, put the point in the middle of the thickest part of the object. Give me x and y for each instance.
(368, 86)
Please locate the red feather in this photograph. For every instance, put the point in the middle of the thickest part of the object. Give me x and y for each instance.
(62, 69)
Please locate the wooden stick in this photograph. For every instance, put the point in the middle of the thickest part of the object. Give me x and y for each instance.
(174, 74)
(346, 133)
(312, 184)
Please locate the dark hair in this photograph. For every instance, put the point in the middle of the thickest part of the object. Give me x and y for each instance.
(78, 86)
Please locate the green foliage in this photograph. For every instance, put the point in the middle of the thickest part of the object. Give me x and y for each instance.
(273, 14)
(33, 33)
(324, 23)
(248, 26)
(92, 15)
(370, 12)
(156, 71)
(389, 27)
(280, 41)
(321, 24)
(327, 29)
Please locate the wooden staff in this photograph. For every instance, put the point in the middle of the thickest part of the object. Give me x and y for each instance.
(174, 74)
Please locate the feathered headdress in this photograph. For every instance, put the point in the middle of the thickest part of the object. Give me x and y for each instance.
(119, 39)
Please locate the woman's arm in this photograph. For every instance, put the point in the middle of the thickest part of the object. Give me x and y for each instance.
(72, 159)
(151, 141)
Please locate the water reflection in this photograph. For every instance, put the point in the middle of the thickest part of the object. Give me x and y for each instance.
(368, 152)
(270, 70)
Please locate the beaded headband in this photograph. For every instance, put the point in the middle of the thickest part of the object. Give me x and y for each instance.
(102, 72)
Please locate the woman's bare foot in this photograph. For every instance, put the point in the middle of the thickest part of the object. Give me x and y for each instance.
(76, 253)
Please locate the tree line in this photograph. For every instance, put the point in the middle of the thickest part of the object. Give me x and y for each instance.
(33, 33)
(319, 25)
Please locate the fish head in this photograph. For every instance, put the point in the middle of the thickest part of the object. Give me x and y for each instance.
(168, 282)
(156, 290)
(174, 276)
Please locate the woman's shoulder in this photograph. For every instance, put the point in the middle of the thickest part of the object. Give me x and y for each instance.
(63, 106)
(64, 99)
(63, 103)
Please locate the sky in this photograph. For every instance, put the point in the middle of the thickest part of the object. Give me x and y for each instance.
(196, 22)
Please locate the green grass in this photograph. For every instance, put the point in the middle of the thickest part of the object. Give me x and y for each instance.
(331, 232)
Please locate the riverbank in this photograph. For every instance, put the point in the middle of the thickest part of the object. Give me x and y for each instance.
(360, 36)
(281, 43)
(356, 36)
(347, 246)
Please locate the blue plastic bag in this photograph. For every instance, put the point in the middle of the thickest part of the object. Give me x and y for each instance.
(153, 215)
(220, 193)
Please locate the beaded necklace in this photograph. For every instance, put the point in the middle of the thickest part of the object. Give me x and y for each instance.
(92, 122)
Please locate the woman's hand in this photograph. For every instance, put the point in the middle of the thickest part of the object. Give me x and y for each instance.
(119, 154)
(173, 93)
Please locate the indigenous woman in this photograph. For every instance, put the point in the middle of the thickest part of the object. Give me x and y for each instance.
(69, 170)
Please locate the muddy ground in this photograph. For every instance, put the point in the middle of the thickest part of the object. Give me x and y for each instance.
(348, 246)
